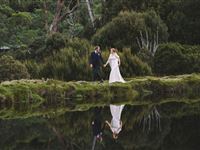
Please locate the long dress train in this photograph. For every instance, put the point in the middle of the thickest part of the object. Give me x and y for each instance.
(116, 125)
(115, 75)
(116, 110)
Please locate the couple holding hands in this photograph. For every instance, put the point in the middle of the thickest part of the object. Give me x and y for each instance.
(115, 76)
(96, 61)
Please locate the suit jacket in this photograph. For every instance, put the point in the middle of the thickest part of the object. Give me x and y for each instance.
(97, 126)
(96, 59)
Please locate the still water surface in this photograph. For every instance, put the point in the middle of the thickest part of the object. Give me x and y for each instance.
(166, 126)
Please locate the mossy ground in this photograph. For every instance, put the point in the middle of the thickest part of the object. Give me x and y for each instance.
(27, 98)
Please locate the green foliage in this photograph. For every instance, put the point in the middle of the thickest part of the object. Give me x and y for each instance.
(55, 42)
(183, 20)
(71, 63)
(24, 5)
(180, 16)
(33, 68)
(11, 69)
(111, 8)
(132, 65)
(20, 25)
(123, 30)
(146, 56)
(28, 98)
(21, 19)
(173, 58)
(24, 26)
(37, 48)
(5, 9)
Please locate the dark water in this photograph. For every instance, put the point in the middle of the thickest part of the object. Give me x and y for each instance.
(166, 126)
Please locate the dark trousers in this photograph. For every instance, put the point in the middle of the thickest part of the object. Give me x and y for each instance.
(97, 76)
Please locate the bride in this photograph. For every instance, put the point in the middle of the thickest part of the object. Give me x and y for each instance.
(114, 62)
(115, 76)
(116, 123)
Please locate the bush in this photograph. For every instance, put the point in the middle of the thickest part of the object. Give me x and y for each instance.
(33, 68)
(123, 30)
(146, 56)
(131, 65)
(55, 42)
(37, 48)
(82, 46)
(174, 58)
(71, 63)
(11, 69)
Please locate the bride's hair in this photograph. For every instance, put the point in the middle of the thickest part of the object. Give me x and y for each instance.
(115, 136)
(114, 50)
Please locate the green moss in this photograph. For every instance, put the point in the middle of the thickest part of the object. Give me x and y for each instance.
(24, 98)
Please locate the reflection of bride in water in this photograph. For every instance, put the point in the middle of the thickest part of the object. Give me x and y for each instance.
(115, 76)
(116, 123)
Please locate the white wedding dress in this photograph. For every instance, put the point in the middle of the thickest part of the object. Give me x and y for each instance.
(116, 110)
(115, 75)
(116, 124)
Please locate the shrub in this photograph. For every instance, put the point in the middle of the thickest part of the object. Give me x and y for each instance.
(68, 64)
(55, 42)
(123, 30)
(37, 48)
(11, 69)
(146, 56)
(71, 63)
(33, 68)
(82, 46)
(174, 58)
(131, 65)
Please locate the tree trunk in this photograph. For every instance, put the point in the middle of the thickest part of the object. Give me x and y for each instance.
(151, 44)
(60, 14)
(90, 12)
(46, 16)
(54, 25)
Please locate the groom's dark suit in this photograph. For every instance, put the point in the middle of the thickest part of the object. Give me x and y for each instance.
(96, 60)
(98, 124)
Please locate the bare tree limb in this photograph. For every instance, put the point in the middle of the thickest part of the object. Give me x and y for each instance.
(68, 12)
(90, 12)
(60, 13)
(151, 44)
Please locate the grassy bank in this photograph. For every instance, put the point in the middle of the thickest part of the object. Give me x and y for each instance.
(25, 98)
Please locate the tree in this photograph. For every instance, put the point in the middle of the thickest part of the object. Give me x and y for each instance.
(11, 69)
(62, 11)
(90, 12)
(124, 29)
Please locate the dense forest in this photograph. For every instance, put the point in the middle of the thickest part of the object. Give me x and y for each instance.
(53, 39)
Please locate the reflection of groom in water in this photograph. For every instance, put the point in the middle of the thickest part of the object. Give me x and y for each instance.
(96, 61)
(98, 125)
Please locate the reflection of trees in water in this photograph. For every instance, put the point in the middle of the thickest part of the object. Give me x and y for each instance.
(151, 119)
(66, 142)
(73, 130)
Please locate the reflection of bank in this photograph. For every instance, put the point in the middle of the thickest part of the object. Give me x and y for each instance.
(116, 123)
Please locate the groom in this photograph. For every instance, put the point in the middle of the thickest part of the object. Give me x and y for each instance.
(97, 126)
(96, 61)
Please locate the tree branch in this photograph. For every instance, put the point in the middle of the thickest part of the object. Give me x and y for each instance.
(68, 12)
